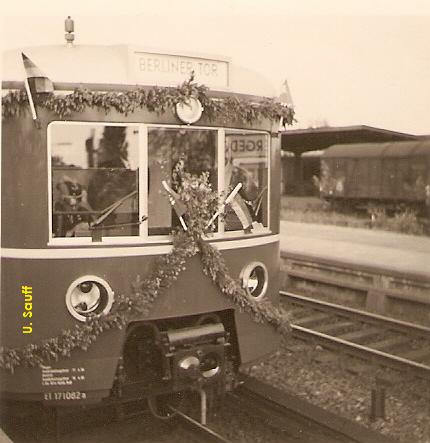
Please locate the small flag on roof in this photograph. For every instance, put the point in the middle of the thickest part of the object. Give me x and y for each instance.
(37, 80)
(285, 96)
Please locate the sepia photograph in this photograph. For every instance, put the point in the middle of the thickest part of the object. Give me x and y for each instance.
(215, 221)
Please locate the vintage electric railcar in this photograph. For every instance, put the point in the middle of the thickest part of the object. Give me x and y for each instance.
(388, 174)
(104, 167)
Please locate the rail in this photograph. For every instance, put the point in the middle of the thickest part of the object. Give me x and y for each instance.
(317, 324)
(202, 432)
(368, 317)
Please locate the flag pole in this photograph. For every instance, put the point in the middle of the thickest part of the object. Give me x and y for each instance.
(175, 200)
(183, 223)
(32, 107)
(227, 201)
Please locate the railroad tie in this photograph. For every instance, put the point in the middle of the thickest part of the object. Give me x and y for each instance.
(312, 319)
(389, 343)
(362, 335)
(335, 327)
(416, 354)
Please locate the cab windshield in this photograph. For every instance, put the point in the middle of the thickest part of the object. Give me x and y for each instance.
(113, 180)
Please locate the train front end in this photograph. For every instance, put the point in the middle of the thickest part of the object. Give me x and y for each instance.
(100, 301)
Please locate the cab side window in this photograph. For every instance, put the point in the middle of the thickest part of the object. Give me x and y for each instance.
(94, 175)
(246, 171)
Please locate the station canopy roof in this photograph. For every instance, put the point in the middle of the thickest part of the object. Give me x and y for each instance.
(389, 149)
(299, 141)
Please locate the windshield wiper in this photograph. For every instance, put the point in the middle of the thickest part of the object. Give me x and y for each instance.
(96, 231)
(111, 208)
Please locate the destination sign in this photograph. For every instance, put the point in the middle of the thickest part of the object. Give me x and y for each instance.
(171, 70)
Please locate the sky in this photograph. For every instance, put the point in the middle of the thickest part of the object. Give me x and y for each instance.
(347, 62)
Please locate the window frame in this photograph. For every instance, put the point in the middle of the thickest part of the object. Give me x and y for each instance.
(143, 237)
(265, 229)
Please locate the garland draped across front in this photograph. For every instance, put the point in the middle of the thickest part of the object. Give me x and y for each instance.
(201, 202)
(155, 99)
(196, 192)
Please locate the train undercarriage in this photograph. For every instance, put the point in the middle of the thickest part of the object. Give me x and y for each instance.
(164, 359)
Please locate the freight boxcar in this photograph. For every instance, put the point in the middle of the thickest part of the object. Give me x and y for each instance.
(383, 173)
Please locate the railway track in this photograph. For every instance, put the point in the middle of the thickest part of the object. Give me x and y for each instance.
(256, 411)
(277, 417)
(197, 432)
(381, 340)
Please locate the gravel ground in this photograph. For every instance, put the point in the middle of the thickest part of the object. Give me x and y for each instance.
(238, 427)
(344, 387)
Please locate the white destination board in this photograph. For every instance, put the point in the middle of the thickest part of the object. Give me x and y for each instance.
(170, 70)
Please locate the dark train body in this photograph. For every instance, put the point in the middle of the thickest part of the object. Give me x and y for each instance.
(73, 171)
(386, 174)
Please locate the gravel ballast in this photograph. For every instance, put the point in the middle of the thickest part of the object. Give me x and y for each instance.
(344, 388)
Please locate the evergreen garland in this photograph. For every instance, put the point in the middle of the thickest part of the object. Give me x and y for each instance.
(201, 203)
(156, 99)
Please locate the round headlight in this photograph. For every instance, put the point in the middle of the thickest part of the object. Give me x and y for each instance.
(254, 279)
(89, 295)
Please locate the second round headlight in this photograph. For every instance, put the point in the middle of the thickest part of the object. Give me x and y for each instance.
(254, 279)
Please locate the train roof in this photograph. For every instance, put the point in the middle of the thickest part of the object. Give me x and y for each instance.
(391, 149)
(117, 66)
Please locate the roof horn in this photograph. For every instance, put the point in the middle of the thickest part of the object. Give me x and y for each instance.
(69, 26)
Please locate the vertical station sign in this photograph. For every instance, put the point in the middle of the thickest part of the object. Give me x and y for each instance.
(253, 146)
(152, 68)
